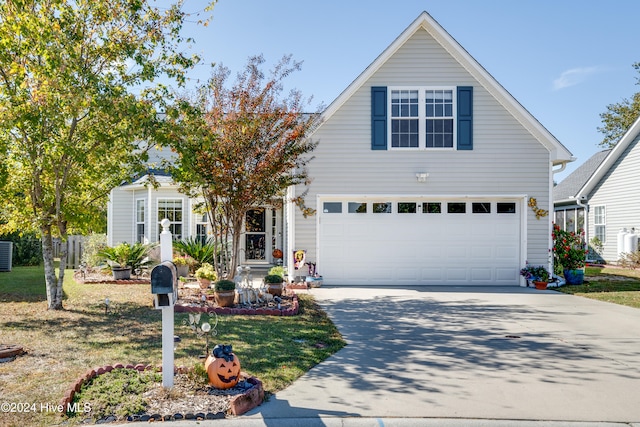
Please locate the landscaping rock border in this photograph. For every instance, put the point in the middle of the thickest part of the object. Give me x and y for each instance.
(291, 311)
(239, 404)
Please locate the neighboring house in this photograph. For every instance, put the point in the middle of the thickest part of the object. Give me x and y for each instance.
(607, 187)
(422, 175)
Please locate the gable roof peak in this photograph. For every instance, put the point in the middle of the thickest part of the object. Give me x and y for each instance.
(559, 153)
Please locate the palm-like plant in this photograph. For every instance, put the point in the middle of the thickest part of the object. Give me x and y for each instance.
(127, 255)
(196, 248)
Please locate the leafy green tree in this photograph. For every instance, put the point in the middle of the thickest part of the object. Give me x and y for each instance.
(241, 146)
(73, 108)
(619, 117)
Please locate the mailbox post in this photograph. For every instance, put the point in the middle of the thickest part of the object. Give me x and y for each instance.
(164, 287)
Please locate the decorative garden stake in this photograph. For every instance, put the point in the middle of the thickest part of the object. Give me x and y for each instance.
(203, 329)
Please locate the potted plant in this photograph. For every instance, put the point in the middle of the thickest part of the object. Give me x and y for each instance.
(569, 254)
(538, 274)
(205, 275)
(224, 293)
(274, 284)
(124, 258)
(183, 265)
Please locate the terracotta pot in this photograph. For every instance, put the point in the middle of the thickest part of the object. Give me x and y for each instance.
(540, 285)
(275, 289)
(204, 283)
(225, 298)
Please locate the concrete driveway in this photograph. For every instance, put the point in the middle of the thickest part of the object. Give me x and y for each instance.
(473, 353)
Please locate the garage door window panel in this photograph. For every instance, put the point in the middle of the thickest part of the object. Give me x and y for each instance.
(456, 208)
(432, 207)
(505, 208)
(382, 207)
(357, 207)
(332, 207)
(481, 208)
(407, 207)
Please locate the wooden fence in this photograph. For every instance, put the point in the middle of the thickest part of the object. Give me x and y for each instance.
(74, 248)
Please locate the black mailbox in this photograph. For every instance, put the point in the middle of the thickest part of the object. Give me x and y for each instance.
(164, 281)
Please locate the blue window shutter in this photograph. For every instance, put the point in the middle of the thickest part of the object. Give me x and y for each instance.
(465, 117)
(379, 118)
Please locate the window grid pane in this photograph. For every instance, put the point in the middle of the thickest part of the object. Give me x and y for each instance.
(407, 207)
(481, 207)
(431, 207)
(456, 207)
(172, 210)
(439, 132)
(404, 123)
(357, 207)
(382, 207)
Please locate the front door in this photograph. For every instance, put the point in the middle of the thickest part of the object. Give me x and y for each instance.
(256, 235)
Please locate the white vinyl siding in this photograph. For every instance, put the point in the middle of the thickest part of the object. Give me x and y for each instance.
(506, 158)
(618, 193)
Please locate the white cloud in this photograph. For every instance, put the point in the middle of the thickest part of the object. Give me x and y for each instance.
(573, 77)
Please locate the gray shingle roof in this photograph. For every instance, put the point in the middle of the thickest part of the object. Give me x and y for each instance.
(570, 186)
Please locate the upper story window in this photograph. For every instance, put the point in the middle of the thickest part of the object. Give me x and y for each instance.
(422, 118)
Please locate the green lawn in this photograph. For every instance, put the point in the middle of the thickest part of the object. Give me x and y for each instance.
(62, 345)
(616, 285)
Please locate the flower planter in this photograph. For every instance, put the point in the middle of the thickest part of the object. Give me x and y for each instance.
(121, 273)
(574, 277)
(204, 283)
(275, 289)
(225, 298)
(183, 270)
(540, 285)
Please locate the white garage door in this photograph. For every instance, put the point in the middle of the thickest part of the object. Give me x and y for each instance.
(428, 242)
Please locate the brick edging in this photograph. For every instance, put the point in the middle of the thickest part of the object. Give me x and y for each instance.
(291, 311)
(239, 403)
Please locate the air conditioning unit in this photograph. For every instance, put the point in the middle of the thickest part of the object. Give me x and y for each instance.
(6, 252)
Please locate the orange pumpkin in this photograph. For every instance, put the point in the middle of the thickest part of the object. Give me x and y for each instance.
(277, 253)
(223, 374)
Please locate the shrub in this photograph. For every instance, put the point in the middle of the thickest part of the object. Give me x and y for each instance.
(224, 285)
(278, 270)
(126, 255)
(272, 278)
(201, 251)
(630, 260)
(27, 248)
(568, 248)
(92, 245)
(206, 271)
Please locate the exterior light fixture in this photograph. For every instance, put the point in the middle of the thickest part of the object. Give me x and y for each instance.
(422, 176)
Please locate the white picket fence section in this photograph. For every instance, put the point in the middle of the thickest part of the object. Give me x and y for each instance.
(74, 248)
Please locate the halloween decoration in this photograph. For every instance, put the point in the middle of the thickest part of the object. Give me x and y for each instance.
(223, 367)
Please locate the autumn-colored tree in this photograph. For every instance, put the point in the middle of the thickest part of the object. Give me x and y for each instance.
(241, 146)
(72, 109)
(619, 117)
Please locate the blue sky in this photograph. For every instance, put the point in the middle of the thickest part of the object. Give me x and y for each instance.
(563, 60)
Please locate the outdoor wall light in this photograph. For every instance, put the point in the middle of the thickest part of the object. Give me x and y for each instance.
(422, 176)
